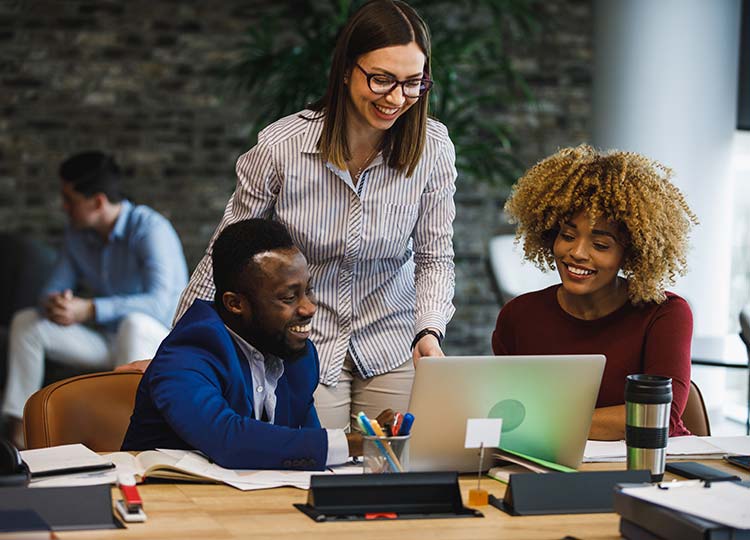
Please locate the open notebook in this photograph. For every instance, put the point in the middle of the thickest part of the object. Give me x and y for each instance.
(184, 465)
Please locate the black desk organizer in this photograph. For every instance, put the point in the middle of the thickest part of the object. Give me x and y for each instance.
(385, 496)
(75, 508)
(531, 494)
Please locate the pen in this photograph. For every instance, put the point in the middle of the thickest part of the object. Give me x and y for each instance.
(379, 432)
(397, 419)
(406, 424)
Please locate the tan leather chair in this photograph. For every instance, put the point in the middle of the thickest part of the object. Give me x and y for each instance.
(92, 409)
(695, 416)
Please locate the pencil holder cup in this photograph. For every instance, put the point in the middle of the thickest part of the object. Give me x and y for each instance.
(385, 454)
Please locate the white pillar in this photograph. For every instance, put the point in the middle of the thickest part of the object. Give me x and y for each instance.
(665, 85)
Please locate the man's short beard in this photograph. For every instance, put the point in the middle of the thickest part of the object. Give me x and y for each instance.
(277, 346)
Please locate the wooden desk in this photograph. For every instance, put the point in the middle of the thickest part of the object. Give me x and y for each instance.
(210, 511)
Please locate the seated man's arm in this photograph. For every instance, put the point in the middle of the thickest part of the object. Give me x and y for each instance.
(57, 302)
(163, 273)
(62, 278)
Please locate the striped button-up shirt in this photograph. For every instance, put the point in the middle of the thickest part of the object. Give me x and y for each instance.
(380, 251)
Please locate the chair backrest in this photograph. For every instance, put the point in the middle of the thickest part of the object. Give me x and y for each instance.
(92, 409)
(695, 416)
(512, 274)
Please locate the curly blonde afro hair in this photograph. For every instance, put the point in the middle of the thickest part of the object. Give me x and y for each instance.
(623, 187)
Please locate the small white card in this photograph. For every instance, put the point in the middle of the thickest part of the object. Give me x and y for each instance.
(483, 432)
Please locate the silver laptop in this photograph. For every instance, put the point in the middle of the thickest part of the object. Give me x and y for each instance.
(546, 403)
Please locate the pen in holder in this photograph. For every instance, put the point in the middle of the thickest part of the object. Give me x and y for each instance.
(385, 454)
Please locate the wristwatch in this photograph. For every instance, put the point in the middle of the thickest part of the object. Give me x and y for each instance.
(423, 333)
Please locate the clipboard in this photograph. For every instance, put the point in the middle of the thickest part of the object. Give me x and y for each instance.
(639, 519)
(725, 504)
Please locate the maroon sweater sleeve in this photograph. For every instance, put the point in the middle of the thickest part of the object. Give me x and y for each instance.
(666, 352)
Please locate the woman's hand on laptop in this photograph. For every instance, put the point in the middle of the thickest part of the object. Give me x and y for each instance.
(427, 346)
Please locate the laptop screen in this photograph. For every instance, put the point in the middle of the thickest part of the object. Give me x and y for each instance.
(546, 403)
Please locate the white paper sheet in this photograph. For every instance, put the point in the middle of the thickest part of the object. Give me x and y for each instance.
(738, 445)
(693, 446)
(604, 451)
(690, 447)
(483, 432)
(722, 502)
(67, 456)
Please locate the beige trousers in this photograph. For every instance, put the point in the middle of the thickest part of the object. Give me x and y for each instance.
(338, 405)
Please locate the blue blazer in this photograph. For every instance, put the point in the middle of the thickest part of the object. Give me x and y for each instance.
(197, 393)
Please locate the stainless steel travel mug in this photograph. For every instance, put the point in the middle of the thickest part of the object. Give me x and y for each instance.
(648, 399)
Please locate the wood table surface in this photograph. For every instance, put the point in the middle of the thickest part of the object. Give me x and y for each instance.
(210, 511)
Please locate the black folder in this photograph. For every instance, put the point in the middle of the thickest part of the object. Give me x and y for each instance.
(564, 493)
(351, 497)
(64, 508)
(668, 524)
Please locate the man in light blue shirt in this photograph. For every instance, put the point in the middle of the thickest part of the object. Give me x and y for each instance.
(113, 291)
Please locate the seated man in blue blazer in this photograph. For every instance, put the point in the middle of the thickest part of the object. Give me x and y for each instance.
(235, 378)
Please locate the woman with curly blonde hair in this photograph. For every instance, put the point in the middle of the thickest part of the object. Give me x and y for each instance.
(616, 230)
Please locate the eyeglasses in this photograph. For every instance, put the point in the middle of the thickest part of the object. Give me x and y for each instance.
(381, 83)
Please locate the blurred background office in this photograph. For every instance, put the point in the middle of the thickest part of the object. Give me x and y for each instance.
(177, 90)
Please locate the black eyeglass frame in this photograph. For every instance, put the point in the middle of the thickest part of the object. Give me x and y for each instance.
(424, 87)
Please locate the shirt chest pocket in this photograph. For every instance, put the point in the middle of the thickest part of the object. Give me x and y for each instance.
(388, 228)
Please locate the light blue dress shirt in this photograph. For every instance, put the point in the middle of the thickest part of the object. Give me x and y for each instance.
(139, 268)
(266, 372)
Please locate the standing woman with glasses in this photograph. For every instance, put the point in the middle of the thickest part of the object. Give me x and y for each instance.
(364, 182)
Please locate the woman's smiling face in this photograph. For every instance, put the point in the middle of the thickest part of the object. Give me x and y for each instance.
(380, 111)
(588, 258)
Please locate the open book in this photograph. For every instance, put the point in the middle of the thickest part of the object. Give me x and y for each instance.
(185, 465)
(166, 465)
(193, 466)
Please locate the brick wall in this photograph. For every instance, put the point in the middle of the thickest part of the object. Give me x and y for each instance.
(143, 80)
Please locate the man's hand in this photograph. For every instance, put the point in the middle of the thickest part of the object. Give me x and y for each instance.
(65, 309)
(385, 418)
(138, 366)
(355, 444)
(427, 346)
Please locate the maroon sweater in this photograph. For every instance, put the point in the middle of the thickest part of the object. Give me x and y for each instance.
(652, 338)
